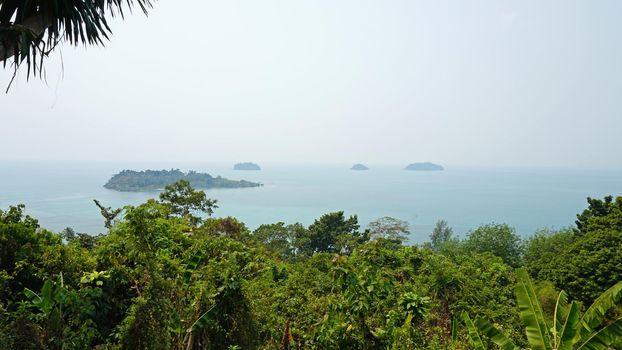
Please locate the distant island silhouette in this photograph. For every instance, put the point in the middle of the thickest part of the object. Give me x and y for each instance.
(246, 166)
(425, 166)
(359, 167)
(150, 180)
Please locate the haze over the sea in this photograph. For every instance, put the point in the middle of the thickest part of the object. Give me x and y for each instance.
(60, 194)
(471, 83)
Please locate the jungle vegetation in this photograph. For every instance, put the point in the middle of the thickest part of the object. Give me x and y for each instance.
(168, 275)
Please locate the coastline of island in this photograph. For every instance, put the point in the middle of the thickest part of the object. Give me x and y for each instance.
(153, 180)
(425, 166)
(359, 167)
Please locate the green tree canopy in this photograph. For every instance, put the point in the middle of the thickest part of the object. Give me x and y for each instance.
(284, 240)
(389, 228)
(184, 201)
(585, 261)
(149, 284)
(600, 214)
(499, 239)
(333, 233)
(542, 250)
(441, 234)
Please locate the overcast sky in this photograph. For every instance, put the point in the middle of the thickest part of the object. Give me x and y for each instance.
(495, 83)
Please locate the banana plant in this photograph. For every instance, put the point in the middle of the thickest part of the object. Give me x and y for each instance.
(568, 331)
(50, 302)
(51, 298)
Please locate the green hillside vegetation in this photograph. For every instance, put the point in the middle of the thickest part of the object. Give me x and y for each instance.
(150, 180)
(168, 275)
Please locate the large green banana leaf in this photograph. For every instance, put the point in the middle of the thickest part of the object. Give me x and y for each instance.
(476, 340)
(497, 337)
(569, 328)
(531, 313)
(603, 339)
(595, 314)
(561, 310)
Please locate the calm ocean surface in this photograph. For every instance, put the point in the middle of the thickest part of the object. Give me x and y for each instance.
(60, 194)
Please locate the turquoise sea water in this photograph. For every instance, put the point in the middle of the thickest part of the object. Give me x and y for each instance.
(60, 194)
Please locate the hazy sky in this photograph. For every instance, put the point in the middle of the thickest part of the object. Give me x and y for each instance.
(510, 83)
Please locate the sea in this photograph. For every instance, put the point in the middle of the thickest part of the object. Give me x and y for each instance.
(60, 194)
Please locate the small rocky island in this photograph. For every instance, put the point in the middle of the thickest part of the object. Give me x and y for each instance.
(359, 167)
(426, 166)
(150, 180)
(246, 166)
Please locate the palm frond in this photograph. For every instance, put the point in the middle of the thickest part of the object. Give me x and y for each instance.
(31, 29)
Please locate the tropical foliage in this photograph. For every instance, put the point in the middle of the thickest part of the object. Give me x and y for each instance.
(585, 260)
(167, 275)
(568, 329)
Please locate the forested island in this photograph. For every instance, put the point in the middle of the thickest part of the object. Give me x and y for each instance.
(246, 166)
(150, 180)
(168, 275)
(425, 166)
(359, 167)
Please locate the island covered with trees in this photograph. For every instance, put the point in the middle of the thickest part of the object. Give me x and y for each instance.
(150, 180)
(359, 167)
(166, 274)
(425, 166)
(246, 166)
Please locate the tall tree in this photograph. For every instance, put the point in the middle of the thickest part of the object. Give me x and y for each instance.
(333, 233)
(280, 238)
(499, 239)
(441, 234)
(184, 201)
(600, 214)
(389, 228)
(585, 261)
